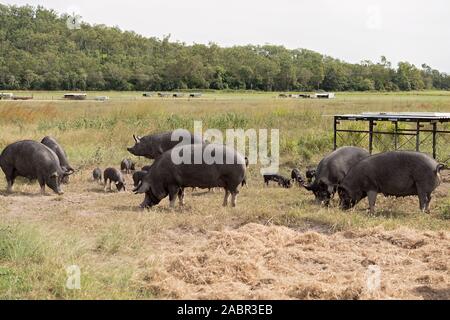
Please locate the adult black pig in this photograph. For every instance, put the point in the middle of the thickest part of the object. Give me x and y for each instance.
(62, 156)
(331, 171)
(153, 146)
(32, 160)
(216, 166)
(395, 173)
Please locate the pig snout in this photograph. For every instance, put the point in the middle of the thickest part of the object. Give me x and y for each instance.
(58, 191)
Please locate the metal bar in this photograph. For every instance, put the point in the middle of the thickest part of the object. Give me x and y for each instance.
(377, 138)
(434, 140)
(370, 136)
(405, 143)
(393, 119)
(376, 132)
(424, 140)
(424, 130)
(410, 119)
(395, 135)
(335, 133)
(418, 136)
(360, 140)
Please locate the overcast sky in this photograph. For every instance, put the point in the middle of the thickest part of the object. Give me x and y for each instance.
(417, 31)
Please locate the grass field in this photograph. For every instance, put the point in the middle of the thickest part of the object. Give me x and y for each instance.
(276, 244)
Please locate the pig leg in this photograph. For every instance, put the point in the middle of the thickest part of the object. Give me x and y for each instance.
(234, 198)
(372, 196)
(181, 196)
(42, 185)
(427, 206)
(173, 192)
(423, 199)
(225, 199)
(9, 186)
(423, 202)
(144, 204)
(172, 199)
(10, 177)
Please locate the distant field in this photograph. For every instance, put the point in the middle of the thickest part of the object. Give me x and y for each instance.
(211, 94)
(276, 244)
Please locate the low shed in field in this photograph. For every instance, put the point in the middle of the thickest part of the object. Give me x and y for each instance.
(324, 95)
(6, 96)
(75, 96)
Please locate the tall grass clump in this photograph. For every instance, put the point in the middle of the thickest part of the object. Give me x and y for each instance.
(175, 121)
(228, 120)
(445, 210)
(27, 264)
(308, 147)
(20, 245)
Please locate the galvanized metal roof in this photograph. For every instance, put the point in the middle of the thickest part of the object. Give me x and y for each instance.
(398, 116)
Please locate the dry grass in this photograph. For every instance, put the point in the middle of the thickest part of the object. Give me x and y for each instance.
(274, 262)
(276, 244)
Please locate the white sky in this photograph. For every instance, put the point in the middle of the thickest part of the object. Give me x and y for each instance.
(417, 31)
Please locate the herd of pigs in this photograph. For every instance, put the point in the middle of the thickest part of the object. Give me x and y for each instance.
(350, 172)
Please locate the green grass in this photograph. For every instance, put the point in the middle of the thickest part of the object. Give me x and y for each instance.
(33, 267)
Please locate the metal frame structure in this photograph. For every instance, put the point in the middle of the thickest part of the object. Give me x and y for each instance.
(425, 125)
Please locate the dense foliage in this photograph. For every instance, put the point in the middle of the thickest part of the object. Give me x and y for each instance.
(38, 51)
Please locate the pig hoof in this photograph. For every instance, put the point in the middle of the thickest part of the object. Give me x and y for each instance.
(144, 205)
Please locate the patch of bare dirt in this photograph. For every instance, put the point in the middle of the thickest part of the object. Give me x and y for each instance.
(273, 262)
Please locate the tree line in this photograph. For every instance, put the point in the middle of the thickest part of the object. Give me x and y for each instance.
(39, 52)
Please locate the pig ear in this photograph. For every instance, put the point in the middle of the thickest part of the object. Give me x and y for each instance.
(69, 171)
(142, 188)
(310, 187)
(137, 139)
